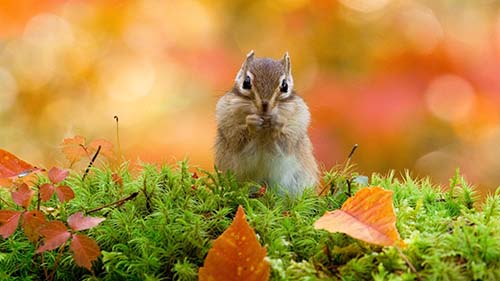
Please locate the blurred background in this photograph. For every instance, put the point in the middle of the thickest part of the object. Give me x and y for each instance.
(414, 82)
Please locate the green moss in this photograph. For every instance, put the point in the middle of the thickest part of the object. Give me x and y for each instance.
(166, 231)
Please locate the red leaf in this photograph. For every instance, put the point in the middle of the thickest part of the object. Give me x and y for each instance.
(8, 221)
(368, 216)
(85, 250)
(22, 196)
(78, 222)
(46, 191)
(11, 166)
(74, 148)
(32, 222)
(55, 235)
(57, 175)
(64, 193)
(236, 254)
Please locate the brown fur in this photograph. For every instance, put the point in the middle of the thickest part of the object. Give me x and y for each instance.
(266, 145)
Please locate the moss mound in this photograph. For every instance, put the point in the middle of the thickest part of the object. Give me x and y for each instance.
(165, 232)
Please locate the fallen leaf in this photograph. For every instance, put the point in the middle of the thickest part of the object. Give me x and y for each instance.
(64, 193)
(85, 250)
(57, 175)
(55, 235)
(74, 148)
(8, 221)
(32, 222)
(11, 166)
(46, 190)
(368, 216)
(236, 254)
(22, 195)
(78, 222)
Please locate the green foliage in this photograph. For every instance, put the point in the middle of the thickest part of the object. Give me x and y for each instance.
(165, 232)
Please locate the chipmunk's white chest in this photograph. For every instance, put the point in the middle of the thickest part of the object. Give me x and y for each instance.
(269, 165)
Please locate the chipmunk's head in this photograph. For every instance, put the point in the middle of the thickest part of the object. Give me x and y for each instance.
(265, 82)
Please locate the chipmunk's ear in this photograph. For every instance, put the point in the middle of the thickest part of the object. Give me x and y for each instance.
(244, 67)
(286, 64)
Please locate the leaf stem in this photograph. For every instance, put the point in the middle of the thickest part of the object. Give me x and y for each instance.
(56, 262)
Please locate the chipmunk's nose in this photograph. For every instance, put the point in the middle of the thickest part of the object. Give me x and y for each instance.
(265, 105)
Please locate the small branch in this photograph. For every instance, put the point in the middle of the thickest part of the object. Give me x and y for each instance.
(38, 198)
(43, 265)
(7, 203)
(91, 162)
(145, 191)
(410, 265)
(56, 262)
(116, 203)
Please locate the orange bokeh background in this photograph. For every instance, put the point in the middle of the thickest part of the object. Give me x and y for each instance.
(415, 83)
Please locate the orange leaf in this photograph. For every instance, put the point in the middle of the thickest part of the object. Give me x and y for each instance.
(74, 148)
(11, 166)
(32, 222)
(64, 193)
(106, 147)
(368, 216)
(46, 190)
(55, 234)
(85, 250)
(57, 175)
(236, 254)
(8, 221)
(22, 196)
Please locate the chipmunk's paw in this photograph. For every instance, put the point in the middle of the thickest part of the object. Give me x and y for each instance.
(254, 122)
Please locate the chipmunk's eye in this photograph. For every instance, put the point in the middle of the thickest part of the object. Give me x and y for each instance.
(247, 85)
(284, 86)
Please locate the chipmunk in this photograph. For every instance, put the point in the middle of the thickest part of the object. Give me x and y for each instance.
(262, 128)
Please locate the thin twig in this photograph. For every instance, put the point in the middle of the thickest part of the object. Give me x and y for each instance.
(145, 191)
(56, 262)
(38, 199)
(91, 162)
(117, 203)
(7, 203)
(43, 265)
(325, 186)
(408, 262)
(118, 137)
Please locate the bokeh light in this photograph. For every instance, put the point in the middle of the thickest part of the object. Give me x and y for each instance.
(415, 82)
(365, 6)
(450, 98)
